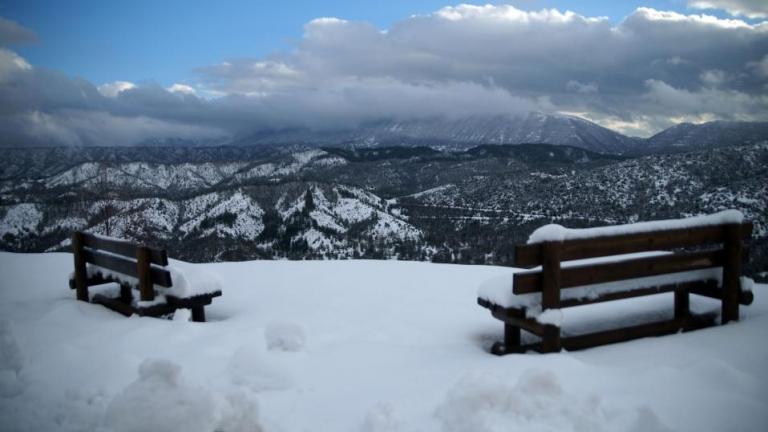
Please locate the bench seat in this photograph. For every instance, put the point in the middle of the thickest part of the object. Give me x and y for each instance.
(568, 268)
(150, 283)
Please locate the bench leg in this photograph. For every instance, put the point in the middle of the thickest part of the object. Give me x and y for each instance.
(198, 313)
(126, 296)
(511, 342)
(682, 304)
(81, 274)
(511, 335)
(550, 341)
(731, 273)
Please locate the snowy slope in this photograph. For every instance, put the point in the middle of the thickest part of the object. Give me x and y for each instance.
(688, 136)
(236, 216)
(355, 346)
(343, 222)
(143, 176)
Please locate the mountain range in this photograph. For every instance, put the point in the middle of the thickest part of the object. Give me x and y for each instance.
(461, 191)
(470, 131)
(420, 203)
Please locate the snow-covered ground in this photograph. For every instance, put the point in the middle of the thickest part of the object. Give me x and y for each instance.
(372, 346)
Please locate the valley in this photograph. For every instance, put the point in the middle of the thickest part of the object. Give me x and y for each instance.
(408, 203)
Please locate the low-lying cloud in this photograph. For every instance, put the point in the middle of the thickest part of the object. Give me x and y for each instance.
(649, 71)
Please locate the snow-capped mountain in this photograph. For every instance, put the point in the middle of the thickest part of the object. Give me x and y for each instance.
(557, 129)
(688, 136)
(460, 133)
(436, 133)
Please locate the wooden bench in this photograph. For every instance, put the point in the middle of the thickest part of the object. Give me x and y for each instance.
(696, 249)
(145, 265)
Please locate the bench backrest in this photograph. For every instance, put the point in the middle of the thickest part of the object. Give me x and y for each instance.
(551, 278)
(121, 256)
(530, 255)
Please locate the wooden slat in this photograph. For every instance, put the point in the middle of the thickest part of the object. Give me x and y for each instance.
(124, 248)
(113, 304)
(117, 305)
(621, 334)
(517, 318)
(127, 267)
(640, 292)
(189, 302)
(530, 282)
(706, 288)
(91, 281)
(530, 255)
(659, 328)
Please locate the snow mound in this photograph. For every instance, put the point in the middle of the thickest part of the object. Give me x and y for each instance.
(10, 355)
(554, 232)
(381, 418)
(182, 315)
(481, 402)
(10, 362)
(251, 369)
(159, 400)
(239, 413)
(284, 336)
(747, 284)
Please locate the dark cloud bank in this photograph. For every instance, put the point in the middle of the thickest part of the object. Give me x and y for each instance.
(651, 70)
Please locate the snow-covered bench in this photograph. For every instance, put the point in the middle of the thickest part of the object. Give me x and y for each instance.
(100, 260)
(584, 266)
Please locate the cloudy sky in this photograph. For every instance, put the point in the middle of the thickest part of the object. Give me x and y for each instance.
(118, 73)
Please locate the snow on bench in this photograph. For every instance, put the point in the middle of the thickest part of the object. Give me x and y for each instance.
(559, 233)
(498, 290)
(189, 280)
(101, 259)
(573, 267)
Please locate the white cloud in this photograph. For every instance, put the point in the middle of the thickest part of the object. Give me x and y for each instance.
(10, 64)
(547, 55)
(709, 20)
(114, 88)
(748, 8)
(79, 128)
(712, 103)
(182, 89)
(637, 76)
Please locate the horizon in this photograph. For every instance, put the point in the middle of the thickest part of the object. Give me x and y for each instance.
(97, 74)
